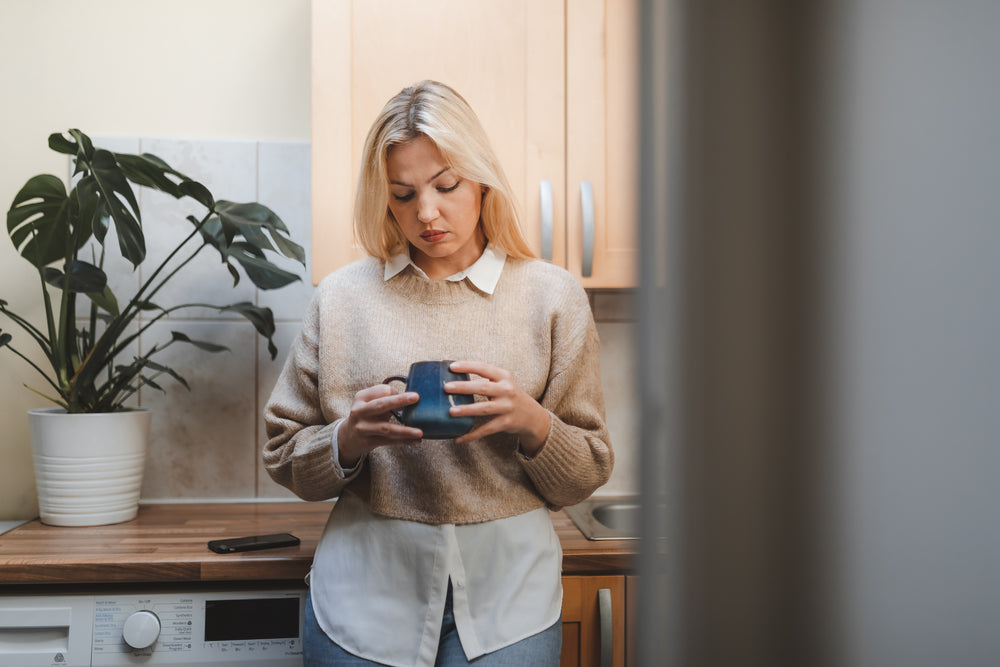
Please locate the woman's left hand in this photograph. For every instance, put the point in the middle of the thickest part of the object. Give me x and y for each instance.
(509, 407)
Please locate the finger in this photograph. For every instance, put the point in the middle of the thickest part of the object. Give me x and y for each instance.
(400, 400)
(388, 431)
(488, 371)
(481, 431)
(384, 404)
(376, 391)
(380, 410)
(482, 387)
(480, 409)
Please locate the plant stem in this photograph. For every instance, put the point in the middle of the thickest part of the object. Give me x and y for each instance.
(58, 402)
(33, 365)
(146, 285)
(30, 329)
(132, 309)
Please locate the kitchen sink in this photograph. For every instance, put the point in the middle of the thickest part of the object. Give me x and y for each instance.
(607, 518)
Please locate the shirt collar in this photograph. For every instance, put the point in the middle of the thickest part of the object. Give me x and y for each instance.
(484, 272)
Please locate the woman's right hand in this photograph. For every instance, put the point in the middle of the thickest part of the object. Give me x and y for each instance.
(370, 424)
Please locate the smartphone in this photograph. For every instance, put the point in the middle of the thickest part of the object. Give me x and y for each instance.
(253, 543)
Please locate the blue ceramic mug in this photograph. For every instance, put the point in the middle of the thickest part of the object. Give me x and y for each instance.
(430, 412)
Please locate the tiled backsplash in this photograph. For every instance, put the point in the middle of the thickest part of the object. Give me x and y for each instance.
(206, 442)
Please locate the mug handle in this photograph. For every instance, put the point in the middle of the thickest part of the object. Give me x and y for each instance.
(395, 378)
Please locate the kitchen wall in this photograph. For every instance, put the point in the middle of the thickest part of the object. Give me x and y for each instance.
(224, 69)
(221, 90)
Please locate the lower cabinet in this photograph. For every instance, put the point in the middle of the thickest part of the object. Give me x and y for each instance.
(594, 622)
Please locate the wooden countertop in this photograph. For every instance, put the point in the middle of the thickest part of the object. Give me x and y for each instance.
(166, 543)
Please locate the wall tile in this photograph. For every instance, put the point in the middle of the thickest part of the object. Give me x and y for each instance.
(202, 442)
(229, 170)
(267, 375)
(283, 185)
(618, 377)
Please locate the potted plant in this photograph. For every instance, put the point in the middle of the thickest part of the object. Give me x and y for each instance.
(90, 369)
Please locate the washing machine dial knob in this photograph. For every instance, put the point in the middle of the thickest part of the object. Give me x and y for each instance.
(141, 629)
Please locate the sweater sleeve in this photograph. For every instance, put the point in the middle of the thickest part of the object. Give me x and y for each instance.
(576, 457)
(299, 452)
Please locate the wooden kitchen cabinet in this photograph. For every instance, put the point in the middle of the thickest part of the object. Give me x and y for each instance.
(594, 613)
(553, 82)
(631, 609)
(602, 140)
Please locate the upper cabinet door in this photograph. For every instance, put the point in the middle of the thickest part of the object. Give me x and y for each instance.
(506, 57)
(602, 42)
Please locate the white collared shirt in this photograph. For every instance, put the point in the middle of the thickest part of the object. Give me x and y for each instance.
(484, 272)
(379, 585)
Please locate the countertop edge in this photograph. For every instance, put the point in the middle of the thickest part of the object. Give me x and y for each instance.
(35, 554)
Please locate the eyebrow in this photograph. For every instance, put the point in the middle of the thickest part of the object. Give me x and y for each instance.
(407, 185)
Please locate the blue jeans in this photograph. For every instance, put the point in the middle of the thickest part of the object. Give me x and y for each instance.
(541, 650)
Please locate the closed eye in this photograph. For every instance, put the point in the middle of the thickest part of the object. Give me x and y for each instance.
(409, 195)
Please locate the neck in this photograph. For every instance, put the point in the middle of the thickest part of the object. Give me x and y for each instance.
(439, 268)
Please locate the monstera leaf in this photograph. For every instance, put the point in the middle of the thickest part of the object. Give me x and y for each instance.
(38, 222)
(51, 227)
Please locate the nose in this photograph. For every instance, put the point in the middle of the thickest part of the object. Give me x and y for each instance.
(427, 209)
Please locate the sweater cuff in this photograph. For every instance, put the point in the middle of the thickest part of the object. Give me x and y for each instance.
(555, 465)
(344, 473)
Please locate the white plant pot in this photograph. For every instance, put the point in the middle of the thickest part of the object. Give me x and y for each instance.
(88, 467)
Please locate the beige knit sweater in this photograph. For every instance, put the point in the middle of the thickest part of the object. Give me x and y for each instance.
(360, 329)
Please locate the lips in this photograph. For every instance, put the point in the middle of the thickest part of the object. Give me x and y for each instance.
(433, 235)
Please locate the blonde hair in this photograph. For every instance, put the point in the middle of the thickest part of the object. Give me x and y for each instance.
(437, 111)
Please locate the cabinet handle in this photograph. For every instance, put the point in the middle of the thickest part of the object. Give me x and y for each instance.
(607, 629)
(545, 190)
(587, 206)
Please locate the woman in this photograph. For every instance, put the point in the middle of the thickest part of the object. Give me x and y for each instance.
(439, 552)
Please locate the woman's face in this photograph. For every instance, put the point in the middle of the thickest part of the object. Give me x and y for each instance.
(437, 210)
